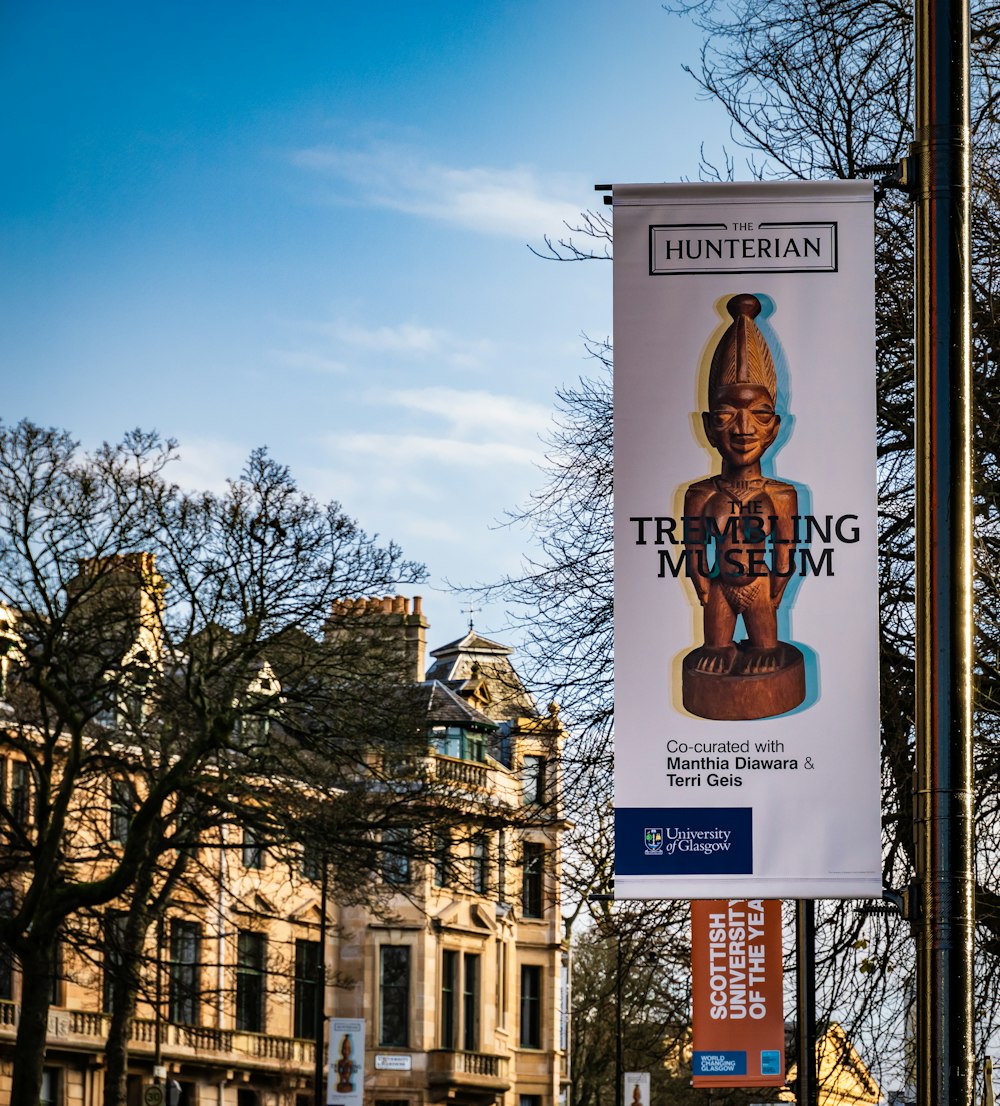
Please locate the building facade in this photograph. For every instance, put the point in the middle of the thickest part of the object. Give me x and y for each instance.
(459, 976)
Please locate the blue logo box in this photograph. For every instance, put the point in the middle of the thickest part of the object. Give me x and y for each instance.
(719, 1063)
(770, 1061)
(684, 841)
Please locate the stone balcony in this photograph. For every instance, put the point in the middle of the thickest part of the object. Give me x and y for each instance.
(467, 773)
(475, 1077)
(88, 1031)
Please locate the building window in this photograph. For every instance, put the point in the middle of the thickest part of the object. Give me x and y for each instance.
(114, 954)
(184, 972)
(481, 866)
(564, 1003)
(470, 1002)
(442, 859)
(501, 989)
(475, 747)
(253, 853)
(123, 803)
(6, 952)
(530, 1100)
(501, 867)
(449, 997)
(396, 856)
(251, 731)
(531, 1006)
(312, 863)
(50, 1087)
(55, 991)
(394, 996)
(460, 1023)
(533, 880)
(453, 741)
(308, 967)
(533, 779)
(250, 980)
(20, 793)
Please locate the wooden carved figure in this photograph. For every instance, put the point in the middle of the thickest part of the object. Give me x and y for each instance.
(739, 533)
(345, 1067)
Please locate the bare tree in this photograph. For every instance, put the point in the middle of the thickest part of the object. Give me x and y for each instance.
(155, 644)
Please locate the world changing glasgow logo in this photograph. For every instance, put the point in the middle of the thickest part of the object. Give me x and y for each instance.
(652, 841)
(719, 1063)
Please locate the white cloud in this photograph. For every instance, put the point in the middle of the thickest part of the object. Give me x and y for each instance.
(411, 340)
(205, 464)
(518, 202)
(405, 338)
(471, 412)
(415, 449)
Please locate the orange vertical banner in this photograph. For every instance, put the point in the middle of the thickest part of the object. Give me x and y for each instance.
(738, 1019)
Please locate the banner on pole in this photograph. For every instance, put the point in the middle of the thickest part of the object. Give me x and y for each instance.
(636, 1089)
(737, 1018)
(746, 585)
(345, 1080)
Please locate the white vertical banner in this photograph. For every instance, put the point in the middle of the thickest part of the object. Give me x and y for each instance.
(345, 1080)
(746, 583)
(636, 1088)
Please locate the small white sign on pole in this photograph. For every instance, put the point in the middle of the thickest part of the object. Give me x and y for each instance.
(346, 1062)
(637, 1088)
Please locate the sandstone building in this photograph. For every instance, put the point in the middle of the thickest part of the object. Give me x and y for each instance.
(460, 977)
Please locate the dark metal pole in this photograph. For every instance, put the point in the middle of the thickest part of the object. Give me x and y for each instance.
(619, 1065)
(158, 999)
(807, 1092)
(943, 800)
(320, 1041)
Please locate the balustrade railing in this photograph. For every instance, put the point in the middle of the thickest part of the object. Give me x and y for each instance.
(90, 1026)
(460, 1062)
(462, 771)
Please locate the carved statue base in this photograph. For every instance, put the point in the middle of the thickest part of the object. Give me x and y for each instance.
(741, 683)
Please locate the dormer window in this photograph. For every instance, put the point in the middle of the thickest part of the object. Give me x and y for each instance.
(453, 741)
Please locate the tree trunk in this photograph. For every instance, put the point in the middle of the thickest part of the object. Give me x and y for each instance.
(125, 987)
(38, 961)
(123, 1003)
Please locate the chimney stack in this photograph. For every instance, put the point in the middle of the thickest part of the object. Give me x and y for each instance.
(390, 615)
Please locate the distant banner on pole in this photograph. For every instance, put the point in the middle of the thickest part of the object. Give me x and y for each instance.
(345, 1082)
(737, 1019)
(636, 1088)
(746, 582)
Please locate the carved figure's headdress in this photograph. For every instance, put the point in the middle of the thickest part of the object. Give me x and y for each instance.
(742, 355)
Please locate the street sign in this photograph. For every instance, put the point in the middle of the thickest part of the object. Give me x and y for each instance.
(152, 1095)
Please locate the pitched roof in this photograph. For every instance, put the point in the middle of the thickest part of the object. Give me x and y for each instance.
(480, 671)
(472, 643)
(444, 706)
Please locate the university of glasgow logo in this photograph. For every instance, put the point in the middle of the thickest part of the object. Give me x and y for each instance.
(654, 842)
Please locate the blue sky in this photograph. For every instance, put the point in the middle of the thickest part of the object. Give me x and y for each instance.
(306, 226)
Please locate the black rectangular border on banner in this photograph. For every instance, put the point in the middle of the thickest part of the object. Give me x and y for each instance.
(833, 268)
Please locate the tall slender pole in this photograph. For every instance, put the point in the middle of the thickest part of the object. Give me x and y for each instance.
(619, 1065)
(158, 999)
(320, 1039)
(943, 799)
(807, 1092)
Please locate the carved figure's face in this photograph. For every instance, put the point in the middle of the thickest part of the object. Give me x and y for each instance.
(741, 422)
